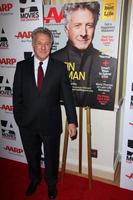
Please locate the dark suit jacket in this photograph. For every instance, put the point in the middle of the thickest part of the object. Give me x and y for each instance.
(43, 111)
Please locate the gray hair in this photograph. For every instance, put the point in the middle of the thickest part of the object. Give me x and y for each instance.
(43, 30)
(94, 7)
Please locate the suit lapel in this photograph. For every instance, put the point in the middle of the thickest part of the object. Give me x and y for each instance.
(32, 74)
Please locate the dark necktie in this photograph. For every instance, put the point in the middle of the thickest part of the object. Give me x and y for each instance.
(40, 76)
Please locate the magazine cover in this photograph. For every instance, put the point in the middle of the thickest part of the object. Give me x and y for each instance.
(86, 37)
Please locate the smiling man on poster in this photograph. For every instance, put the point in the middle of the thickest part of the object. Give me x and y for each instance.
(92, 73)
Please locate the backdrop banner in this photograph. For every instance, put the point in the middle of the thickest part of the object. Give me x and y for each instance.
(126, 179)
(90, 53)
(17, 20)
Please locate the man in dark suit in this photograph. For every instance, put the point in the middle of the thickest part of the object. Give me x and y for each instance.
(92, 73)
(37, 109)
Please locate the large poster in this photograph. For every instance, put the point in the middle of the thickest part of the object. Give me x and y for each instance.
(86, 37)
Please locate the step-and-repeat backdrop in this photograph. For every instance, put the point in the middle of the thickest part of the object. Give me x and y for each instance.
(127, 147)
(17, 20)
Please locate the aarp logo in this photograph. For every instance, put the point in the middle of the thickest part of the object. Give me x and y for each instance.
(129, 176)
(7, 62)
(6, 9)
(24, 36)
(6, 108)
(14, 150)
(53, 15)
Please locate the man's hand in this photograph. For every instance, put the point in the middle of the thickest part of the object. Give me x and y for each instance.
(72, 131)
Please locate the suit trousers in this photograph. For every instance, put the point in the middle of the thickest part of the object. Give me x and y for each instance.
(32, 141)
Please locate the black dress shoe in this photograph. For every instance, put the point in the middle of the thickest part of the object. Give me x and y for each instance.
(52, 192)
(32, 188)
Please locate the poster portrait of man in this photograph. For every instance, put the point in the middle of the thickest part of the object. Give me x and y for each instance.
(92, 72)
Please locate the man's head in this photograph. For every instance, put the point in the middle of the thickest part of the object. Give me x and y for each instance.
(80, 22)
(42, 40)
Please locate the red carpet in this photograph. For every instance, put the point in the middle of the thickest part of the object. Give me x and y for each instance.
(14, 181)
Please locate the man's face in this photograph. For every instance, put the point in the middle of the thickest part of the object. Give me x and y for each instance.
(80, 28)
(42, 46)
